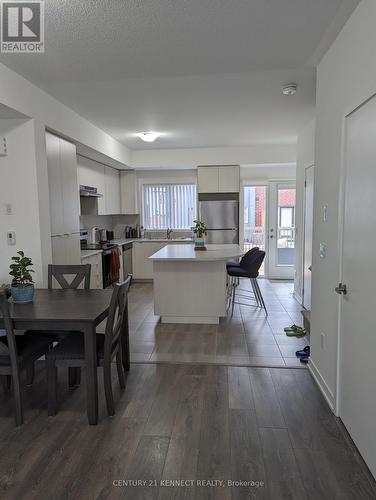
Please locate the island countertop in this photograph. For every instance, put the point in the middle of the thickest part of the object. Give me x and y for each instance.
(186, 253)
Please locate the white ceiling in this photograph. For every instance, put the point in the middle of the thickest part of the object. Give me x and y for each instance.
(205, 72)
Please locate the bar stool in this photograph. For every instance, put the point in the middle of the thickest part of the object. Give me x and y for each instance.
(235, 263)
(248, 267)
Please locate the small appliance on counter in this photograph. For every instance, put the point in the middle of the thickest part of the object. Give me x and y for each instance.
(132, 232)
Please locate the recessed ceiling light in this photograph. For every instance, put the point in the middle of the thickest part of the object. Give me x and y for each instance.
(289, 89)
(149, 136)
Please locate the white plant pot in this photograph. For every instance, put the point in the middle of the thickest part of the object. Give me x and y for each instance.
(200, 243)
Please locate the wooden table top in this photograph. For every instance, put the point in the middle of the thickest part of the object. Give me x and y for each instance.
(63, 305)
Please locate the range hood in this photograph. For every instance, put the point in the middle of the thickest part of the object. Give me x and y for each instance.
(89, 191)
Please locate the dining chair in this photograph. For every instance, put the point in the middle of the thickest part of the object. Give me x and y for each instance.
(17, 353)
(80, 274)
(70, 351)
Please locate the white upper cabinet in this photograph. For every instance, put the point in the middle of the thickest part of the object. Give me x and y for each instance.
(112, 192)
(128, 188)
(224, 179)
(91, 173)
(62, 181)
(207, 179)
(107, 182)
(229, 179)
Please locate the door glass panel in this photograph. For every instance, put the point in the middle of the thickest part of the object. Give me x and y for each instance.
(286, 227)
(254, 218)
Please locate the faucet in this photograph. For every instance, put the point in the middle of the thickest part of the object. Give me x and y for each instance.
(169, 231)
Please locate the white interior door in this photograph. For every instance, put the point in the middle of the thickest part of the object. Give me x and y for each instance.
(308, 230)
(357, 404)
(281, 234)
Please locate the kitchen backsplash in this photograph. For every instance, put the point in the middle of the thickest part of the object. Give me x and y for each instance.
(162, 234)
(117, 223)
(114, 223)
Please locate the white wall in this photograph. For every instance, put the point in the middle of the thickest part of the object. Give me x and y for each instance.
(346, 77)
(21, 95)
(191, 158)
(46, 112)
(19, 187)
(265, 173)
(305, 157)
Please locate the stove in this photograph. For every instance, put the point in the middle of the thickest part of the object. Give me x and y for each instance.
(110, 259)
(104, 245)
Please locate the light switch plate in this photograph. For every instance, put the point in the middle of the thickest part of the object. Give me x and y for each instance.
(11, 237)
(322, 250)
(3, 147)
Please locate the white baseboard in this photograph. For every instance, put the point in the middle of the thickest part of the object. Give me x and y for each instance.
(298, 298)
(323, 386)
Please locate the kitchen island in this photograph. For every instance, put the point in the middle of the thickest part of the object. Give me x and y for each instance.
(189, 285)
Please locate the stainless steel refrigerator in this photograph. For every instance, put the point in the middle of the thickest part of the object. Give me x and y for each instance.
(222, 219)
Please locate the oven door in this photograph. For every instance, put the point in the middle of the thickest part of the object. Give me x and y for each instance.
(110, 266)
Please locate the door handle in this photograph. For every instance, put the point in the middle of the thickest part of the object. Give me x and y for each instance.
(341, 289)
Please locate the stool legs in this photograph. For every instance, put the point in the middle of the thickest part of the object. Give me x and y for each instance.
(231, 293)
(259, 294)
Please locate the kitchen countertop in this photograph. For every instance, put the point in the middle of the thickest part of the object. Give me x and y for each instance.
(186, 253)
(149, 240)
(88, 253)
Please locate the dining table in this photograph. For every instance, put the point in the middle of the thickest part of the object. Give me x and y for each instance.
(71, 311)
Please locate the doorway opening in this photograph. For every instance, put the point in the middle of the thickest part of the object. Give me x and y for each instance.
(255, 219)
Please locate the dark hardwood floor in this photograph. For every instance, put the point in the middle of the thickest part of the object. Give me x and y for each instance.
(207, 425)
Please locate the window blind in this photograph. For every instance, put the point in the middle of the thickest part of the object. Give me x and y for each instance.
(169, 206)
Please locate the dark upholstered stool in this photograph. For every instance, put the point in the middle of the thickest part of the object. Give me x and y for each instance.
(248, 267)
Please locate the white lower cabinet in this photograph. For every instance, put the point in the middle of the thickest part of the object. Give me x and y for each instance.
(142, 265)
(96, 278)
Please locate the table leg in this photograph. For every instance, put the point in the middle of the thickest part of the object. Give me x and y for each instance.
(91, 374)
(125, 342)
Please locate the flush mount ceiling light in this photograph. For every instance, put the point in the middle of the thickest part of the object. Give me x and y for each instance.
(149, 136)
(289, 89)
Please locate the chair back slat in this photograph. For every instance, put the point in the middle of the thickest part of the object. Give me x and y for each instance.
(80, 272)
(117, 321)
(8, 324)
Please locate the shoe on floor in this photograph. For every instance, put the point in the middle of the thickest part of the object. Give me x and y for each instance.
(303, 352)
(295, 331)
(304, 359)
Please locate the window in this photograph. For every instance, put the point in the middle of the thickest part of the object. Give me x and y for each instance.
(169, 206)
(286, 217)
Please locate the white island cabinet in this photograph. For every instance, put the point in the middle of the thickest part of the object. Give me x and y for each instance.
(189, 285)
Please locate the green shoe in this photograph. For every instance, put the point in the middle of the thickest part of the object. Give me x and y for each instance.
(295, 331)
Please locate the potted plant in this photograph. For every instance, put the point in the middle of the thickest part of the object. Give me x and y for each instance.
(200, 231)
(22, 286)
